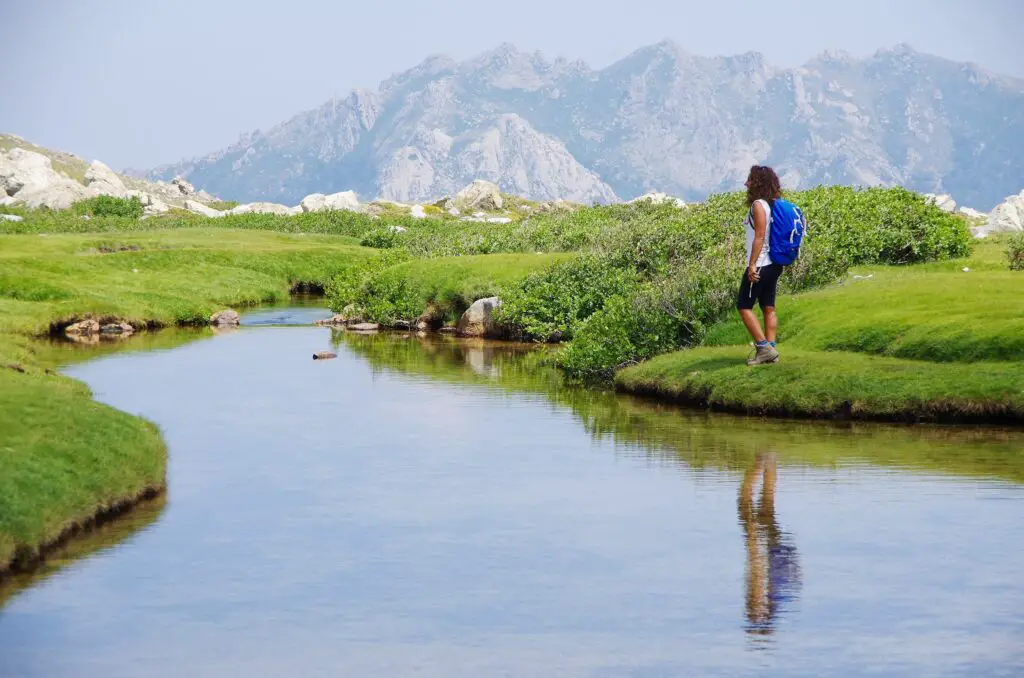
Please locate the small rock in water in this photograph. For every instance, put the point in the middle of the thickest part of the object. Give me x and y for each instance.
(364, 327)
(226, 317)
(324, 355)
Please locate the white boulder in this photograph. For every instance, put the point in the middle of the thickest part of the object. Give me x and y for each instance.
(944, 202)
(262, 208)
(318, 202)
(101, 180)
(478, 320)
(479, 195)
(657, 198)
(200, 208)
(155, 207)
(182, 186)
(345, 200)
(314, 202)
(10, 217)
(971, 213)
(20, 169)
(57, 195)
(418, 212)
(1008, 216)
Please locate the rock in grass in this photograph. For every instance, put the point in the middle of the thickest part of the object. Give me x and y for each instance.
(324, 355)
(83, 329)
(227, 317)
(318, 202)
(1008, 216)
(201, 209)
(480, 195)
(262, 208)
(122, 329)
(10, 217)
(101, 180)
(478, 320)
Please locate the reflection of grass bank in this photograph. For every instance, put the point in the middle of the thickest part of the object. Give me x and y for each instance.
(698, 439)
(842, 348)
(63, 457)
(98, 538)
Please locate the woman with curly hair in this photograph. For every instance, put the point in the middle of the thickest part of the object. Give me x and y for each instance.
(761, 278)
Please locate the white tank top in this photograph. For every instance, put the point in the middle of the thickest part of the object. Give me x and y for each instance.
(762, 258)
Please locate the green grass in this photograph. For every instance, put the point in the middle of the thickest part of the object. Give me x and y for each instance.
(833, 384)
(924, 342)
(63, 457)
(934, 312)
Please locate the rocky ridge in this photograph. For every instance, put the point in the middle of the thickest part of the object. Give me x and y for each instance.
(660, 119)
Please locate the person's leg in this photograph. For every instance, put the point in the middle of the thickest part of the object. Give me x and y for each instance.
(771, 324)
(749, 293)
(753, 324)
(766, 299)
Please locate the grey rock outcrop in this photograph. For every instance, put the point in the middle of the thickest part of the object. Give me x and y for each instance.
(660, 118)
(101, 180)
(480, 195)
(201, 209)
(657, 198)
(228, 317)
(1008, 216)
(478, 320)
(944, 202)
(263, 208)
(318, 202)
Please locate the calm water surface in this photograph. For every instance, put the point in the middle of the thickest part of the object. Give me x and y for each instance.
(445, 508)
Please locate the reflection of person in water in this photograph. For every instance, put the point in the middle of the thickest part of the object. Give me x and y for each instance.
(773, 570)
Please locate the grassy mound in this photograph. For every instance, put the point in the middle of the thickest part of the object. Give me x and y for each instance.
(925, 342)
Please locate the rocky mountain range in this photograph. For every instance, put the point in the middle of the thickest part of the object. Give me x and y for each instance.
(659, 119)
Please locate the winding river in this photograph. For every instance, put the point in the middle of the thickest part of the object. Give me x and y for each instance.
(437, 507)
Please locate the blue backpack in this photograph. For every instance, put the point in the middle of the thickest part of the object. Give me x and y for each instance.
(787, 232)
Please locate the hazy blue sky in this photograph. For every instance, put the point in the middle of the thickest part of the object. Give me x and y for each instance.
(140, 82)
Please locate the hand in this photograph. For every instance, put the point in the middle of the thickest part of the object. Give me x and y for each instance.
(752, 274)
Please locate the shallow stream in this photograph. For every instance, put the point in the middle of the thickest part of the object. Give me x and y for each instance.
(437, 507)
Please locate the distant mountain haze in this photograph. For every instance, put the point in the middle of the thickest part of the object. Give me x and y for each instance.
(659, 119)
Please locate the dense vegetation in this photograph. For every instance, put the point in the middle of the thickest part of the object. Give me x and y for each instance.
(649, 278)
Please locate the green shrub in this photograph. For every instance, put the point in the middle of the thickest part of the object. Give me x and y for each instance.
(1015, 252)
(672, 311)
(223, 205)
(548, 305)
(109, 206)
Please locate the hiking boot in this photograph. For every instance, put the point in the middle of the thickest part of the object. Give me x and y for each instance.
(765, 354)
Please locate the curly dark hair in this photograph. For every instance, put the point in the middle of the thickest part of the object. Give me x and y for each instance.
(763, 184)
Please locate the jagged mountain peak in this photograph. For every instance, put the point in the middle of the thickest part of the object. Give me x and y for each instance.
(661, 119)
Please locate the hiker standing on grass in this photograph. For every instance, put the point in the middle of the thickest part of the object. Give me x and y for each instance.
(774, 229)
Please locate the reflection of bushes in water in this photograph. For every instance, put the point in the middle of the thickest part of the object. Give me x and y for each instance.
(698, 439)
(95, 539)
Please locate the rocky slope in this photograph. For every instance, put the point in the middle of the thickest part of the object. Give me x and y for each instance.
(660, 119)
(36, 177)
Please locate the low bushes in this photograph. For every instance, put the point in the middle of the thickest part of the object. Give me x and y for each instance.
(1015, 252)
(108, 206)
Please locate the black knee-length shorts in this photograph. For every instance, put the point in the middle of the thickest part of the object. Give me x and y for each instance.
(763, 291)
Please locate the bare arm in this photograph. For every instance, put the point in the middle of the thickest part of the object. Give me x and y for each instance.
(760, 226)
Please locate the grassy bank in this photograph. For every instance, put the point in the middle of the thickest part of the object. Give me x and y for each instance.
(925, 342)
(64, 458)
